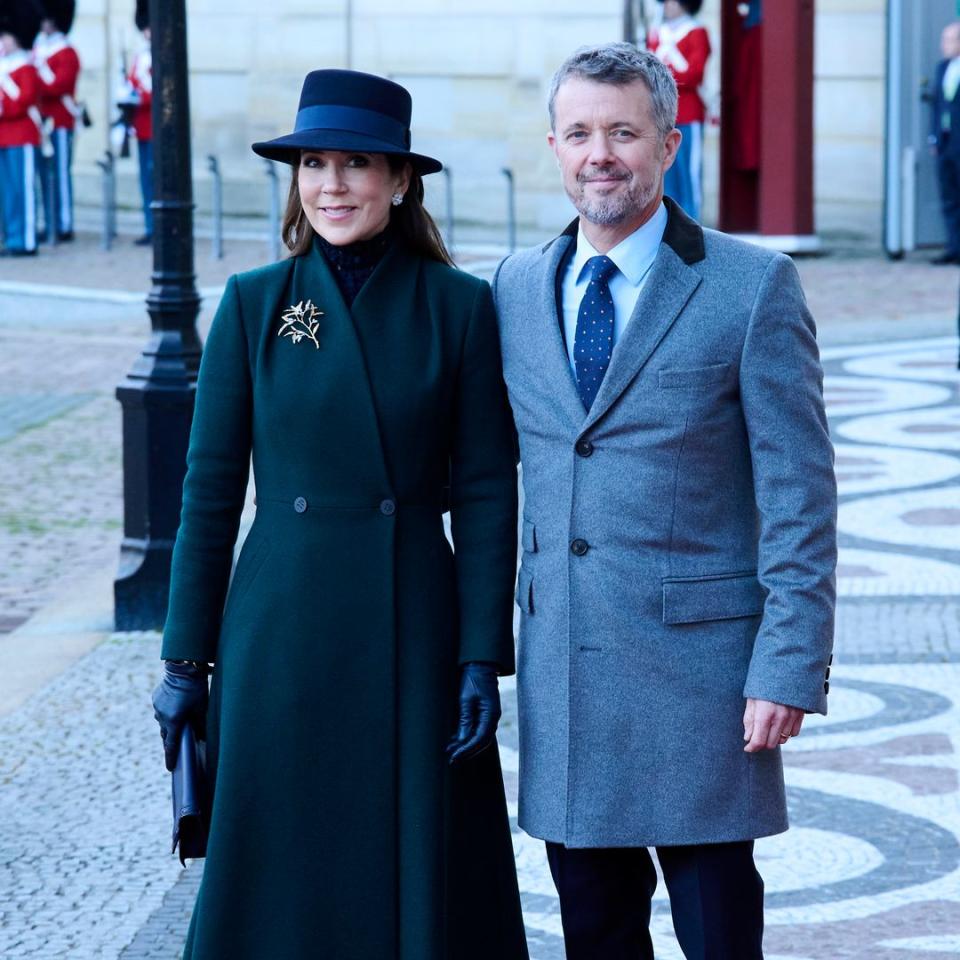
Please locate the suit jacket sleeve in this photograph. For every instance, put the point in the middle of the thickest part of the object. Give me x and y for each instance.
(483, 495)
(781, 386)
(218, 467)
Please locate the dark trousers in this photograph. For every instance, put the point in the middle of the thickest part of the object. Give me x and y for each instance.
(948, 171)
(716, 898)
(145, 156)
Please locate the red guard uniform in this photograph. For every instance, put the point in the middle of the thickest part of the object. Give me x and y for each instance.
(684, 46)
(58, 68)
(19, 92)
(141, 80)
(19, 139)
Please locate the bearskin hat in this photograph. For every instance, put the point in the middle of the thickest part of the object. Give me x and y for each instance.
(142, 17)
(61, 12)
(22, 19)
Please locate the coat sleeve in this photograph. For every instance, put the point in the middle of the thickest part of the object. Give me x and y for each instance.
(218, 467)
(781, 387)
(483, 495)
(59, 78)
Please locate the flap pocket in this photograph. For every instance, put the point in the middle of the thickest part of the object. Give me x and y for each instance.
(694, 376)
(524, 595)
(528, 537)
(712, 598)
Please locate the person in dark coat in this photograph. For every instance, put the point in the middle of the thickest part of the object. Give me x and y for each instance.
(945, 138)
(363, 375)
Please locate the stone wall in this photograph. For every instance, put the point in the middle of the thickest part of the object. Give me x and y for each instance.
(478, 71)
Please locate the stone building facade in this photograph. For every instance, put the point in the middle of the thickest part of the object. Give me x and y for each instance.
(478, 71)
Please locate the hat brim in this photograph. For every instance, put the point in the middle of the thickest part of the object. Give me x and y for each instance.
(287, 149)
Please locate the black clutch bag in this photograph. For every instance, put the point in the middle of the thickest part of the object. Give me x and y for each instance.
(191, 811)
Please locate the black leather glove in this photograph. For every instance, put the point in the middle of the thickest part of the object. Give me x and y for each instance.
(479, 711)
(180, 698)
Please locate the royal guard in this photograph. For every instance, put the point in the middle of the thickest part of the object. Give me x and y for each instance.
(58, 67)
(20, 123)
(140, 79)
(683, 44)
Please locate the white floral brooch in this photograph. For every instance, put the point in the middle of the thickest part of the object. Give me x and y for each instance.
(300, 322)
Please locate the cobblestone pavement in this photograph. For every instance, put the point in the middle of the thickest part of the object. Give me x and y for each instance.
(871, 866)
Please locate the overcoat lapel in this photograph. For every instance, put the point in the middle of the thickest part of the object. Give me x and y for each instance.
(312, 280)
(555, 360)
(668, 288)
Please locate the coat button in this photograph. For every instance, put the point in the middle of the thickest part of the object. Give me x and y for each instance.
(300, 505)
(388, 507)
(826, 686)
(827, 674)
(584, 448)
(579, 547)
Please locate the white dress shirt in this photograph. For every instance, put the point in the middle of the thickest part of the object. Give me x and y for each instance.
(633, 256)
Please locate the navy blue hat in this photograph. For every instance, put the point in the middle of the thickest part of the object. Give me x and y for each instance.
(349, 110)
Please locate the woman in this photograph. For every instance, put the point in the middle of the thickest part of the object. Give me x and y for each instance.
(363, 374)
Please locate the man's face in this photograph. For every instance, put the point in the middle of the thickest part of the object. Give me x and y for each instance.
(950, 41)
(610, 153)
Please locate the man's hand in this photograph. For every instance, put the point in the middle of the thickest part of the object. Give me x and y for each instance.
(768, 725)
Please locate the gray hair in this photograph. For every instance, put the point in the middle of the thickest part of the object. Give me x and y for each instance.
(621, 64)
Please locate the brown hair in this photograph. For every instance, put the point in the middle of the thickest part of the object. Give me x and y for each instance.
(413, 224)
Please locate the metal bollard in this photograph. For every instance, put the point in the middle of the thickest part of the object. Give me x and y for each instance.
(216, 205)
(274, 210)
(106, 166)
(511, 209)
(448, 186)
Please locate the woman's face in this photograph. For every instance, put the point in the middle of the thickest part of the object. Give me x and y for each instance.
(347, 196)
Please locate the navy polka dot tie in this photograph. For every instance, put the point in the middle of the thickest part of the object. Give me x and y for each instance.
(593, 343)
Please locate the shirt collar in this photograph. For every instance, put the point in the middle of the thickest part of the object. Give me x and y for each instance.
(633, 255)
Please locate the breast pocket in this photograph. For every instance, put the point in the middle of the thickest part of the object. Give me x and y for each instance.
(718, 597)
(694, 377)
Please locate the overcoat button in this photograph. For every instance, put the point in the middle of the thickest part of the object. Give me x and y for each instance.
(300, 505)
(826, 686)
(827, 675)
(584, 448)
(388, 508)
(579, 547)
(830, 661)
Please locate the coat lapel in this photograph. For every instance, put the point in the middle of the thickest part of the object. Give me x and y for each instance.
(556, 361)
(668, 288)
(312, 280)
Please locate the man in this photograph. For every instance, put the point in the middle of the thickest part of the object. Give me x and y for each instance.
(684, 46)
(945, 138)
(19, 131)
(677, 581)
(58, 68)
(140, 79)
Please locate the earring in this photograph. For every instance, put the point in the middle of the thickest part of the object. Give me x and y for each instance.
(397, 199)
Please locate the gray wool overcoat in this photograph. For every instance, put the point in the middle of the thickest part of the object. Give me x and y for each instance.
(679, 545)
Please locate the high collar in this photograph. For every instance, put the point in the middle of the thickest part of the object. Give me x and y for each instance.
(14, 61)
(682, 234)
(362, 254)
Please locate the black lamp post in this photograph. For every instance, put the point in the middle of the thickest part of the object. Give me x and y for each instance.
(157, 395)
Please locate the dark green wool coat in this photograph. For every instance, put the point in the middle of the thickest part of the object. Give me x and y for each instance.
(338, 830)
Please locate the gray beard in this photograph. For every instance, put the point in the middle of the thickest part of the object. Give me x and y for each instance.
(615, 209)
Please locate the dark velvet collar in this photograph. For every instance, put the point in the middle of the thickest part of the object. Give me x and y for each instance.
(683, 235)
